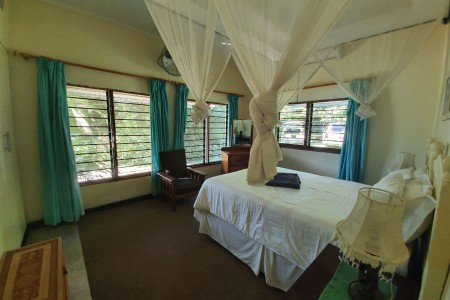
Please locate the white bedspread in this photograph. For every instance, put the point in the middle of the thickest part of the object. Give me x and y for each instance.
(296, 224)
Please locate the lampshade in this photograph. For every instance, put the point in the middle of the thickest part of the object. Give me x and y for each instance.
(372, 233)
(403, 160)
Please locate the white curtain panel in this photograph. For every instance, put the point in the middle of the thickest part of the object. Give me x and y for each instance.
(188, 29)
(271, 40)
(379, 59)
(295, 85)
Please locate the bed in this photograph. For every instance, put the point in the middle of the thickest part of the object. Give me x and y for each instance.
(280, 231)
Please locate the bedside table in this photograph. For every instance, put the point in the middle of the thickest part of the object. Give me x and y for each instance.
(316, 277)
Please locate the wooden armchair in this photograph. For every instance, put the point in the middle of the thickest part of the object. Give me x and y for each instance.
(177, 180)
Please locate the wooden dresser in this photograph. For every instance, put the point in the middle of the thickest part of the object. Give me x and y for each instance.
(235, 158)
(34, 272)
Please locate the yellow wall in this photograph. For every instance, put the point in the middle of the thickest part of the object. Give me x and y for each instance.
(4, 22)
(442, 127)
(48, 30)
(12, 219)
(446, 295)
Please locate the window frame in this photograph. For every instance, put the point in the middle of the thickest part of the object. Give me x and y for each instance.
(112, 137)
(307, 129)
(206, 131)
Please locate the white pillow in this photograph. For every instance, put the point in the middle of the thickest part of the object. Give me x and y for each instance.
(420, 171)
(418, 187)
(406, 173)
(417, 217)
(393, 182)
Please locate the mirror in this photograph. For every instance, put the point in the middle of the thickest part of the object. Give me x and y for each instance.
(242, 132)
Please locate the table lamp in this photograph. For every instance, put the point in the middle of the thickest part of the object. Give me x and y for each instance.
(371, 239)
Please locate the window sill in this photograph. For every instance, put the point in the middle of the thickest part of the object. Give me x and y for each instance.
(107, 180)
(205, 165)
(309, 148)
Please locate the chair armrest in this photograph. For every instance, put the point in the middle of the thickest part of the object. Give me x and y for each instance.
(196, 175)
(166, 177)
(197, 171)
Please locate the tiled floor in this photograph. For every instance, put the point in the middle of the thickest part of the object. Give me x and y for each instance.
(73, 256)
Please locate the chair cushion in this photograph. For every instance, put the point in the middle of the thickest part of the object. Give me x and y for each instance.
(186, 185)
(177, 173)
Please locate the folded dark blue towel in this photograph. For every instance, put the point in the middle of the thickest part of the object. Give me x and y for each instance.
(287, 180)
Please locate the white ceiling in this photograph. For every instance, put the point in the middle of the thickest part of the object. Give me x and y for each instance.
(129, 13)
(362, 18)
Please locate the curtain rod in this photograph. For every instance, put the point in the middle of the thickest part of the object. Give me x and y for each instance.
(319, 85)
(314, 86)
(381, 33)
(27, 56)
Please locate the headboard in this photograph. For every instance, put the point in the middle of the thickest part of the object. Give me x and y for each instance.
(434, 149)
(438, 256)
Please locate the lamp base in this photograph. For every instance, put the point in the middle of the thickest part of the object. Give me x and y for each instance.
(366, 287)
(356, 292)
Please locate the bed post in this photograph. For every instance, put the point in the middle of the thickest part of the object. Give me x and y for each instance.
(437, 260)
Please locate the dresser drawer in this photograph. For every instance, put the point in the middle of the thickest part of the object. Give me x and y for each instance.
(236, 168)
(238, 160)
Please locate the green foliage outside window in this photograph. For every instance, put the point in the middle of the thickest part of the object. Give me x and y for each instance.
(210, 135)
(110, 133)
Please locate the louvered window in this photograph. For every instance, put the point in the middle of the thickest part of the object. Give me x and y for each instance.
(132, 128)
(203, 141)
(110, 133)
(217, 131)
(194, 139)
(315, 125)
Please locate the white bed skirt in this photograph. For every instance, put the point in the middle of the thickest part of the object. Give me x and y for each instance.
(278, 271)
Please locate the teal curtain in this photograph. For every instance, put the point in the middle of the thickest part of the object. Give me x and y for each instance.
(354, 147)
(59, 184)
(232, 115)
(159, 123)
(180, 116)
